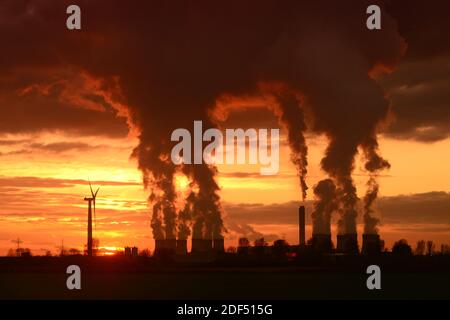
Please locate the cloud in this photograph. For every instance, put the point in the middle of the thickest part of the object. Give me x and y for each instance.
(418, 88)
(37, 182)
(58, 147)
(425, 208)
(65, 100)
(253, 175)
(420, 99)
(257, 213)
(6, 142)
(430, 210)
(247, 231)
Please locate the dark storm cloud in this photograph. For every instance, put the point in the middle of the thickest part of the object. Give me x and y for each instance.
(419, 87)
(256, 213)
(427, 209)
(420, 96)
(32, 113)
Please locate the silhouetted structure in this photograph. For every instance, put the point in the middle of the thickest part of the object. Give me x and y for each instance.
(90, 202)
(181, 246)
(202, 245)
(171, 245)
(218, 245)
(243, 246)
(401, 248)
(347, 243)
(371, 244)
(160, 245)
(301, 225)
(322, 243)
(196, 245)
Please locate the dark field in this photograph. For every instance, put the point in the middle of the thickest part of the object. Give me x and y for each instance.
(119, 278)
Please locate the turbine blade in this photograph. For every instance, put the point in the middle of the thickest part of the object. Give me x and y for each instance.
(92, 192)
(95, 194)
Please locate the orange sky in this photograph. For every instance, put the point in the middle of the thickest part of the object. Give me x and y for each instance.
(45, 212)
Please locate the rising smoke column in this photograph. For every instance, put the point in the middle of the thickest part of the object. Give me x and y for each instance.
(292, 116)
(156, 221)
(374, 164)
(158, 178)
(324, 205)
(370, 222)
(208, 223)
(185, 217)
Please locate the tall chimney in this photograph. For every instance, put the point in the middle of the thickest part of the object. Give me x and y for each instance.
(301, 225)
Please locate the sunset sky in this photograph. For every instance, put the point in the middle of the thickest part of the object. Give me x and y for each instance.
(64, 123)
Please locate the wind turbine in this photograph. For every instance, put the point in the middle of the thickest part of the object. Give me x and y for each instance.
(91, 201)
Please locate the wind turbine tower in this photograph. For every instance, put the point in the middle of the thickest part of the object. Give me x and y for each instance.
(91, 201)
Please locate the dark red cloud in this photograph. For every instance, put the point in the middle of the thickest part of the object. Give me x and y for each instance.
(430, 208)
(419, 87)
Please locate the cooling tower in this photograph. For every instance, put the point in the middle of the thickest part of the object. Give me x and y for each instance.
(347, 243)
(371, 244)
(207, 245)
(181, 246)
(322, 243)
(301, 225)
(218, 245)
(197, 245)
(171, 245)
(165, 246)
(160, 245)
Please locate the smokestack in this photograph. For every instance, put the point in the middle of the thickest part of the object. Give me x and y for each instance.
(322, 243)
(301, 225)
(371, 244)
(218, 245)
(347, 243)
(181, 246)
